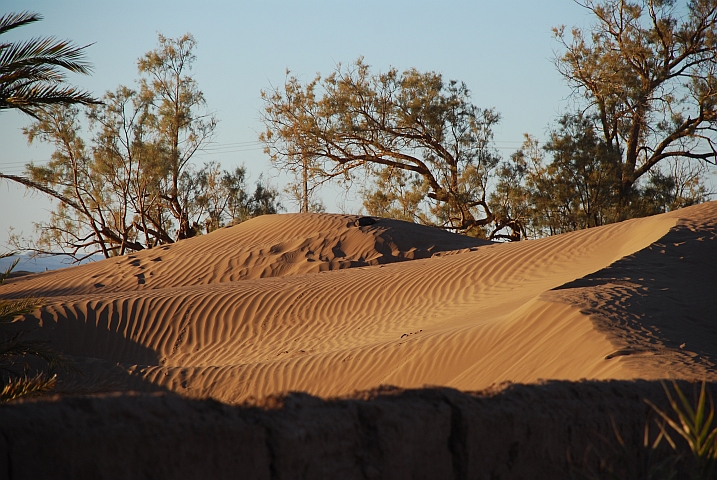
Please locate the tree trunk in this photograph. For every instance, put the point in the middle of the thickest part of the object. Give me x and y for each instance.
(305, 185)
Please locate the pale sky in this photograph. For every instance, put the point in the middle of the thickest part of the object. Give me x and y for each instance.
(502, 50)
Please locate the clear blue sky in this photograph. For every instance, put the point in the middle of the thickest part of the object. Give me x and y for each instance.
(503, 51)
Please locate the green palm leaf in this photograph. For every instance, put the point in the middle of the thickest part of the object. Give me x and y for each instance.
(33, 72)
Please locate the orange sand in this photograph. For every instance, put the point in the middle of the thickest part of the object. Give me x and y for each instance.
(313, 302)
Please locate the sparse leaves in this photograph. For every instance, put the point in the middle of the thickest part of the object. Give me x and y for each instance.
(411, 129)
(647, 72)
(132, 185)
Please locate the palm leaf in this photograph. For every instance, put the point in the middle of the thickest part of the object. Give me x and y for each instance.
(14, 348)
(29, 99)
(11, 309)
(32, 72)
(694, 424)
(14, 20)
(6, 274)
(43, 51)
(27, 386)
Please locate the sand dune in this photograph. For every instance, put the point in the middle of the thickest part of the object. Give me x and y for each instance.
(266, 246)
(322, 304)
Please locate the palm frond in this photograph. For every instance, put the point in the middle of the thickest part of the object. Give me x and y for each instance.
(30, 99)
(11, 309)
(43, 51)
(33, 72)
(16, 348)
(27, 386)
(6, 273)
(14, 20)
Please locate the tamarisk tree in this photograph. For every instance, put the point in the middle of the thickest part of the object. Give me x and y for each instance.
(647, 73)
(134, 185)
(425, 146)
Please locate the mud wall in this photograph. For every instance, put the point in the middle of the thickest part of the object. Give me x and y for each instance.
(554, 430)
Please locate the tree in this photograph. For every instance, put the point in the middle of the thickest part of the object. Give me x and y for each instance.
(175, 118)
(511, 200)
(308, 179)
(576, 190)
(133, 185)
(647, 70)
(32, 72)
(221, 197)
(409, 128)
(579, 187)
(583, 174)
(396, 194)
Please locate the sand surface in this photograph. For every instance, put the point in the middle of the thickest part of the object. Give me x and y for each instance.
(324, 304)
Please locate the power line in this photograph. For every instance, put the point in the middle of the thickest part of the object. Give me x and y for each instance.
(214, 145)
(14, 168)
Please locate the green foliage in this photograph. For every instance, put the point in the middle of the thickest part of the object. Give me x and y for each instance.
(694, 424)
(580, 186)
(622, 462)
(397, 194)
(421, 137)
(676, 184)
(222, 198)
(690, 435)
(133, 185)
(264, 201)
(516, 191)
(645, 81)
(32, 72)
(174, 100)
(647, 71)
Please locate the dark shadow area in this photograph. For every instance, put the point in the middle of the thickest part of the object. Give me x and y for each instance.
(99, 354)
(399, 240)
(557, 430)
(660, 298)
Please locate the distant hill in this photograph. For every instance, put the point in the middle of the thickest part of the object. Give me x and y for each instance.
(41, 264)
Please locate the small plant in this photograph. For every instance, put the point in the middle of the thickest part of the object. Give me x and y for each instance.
(16, 379)
(621, 461)
(691, 422)
(694, 425)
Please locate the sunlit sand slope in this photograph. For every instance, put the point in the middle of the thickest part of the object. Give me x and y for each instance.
(231, 315)
(266, 246)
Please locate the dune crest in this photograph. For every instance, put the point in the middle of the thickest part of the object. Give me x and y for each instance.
(273, 305)
(265, 246)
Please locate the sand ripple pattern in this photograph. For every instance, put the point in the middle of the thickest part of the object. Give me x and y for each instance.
(317, 303)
